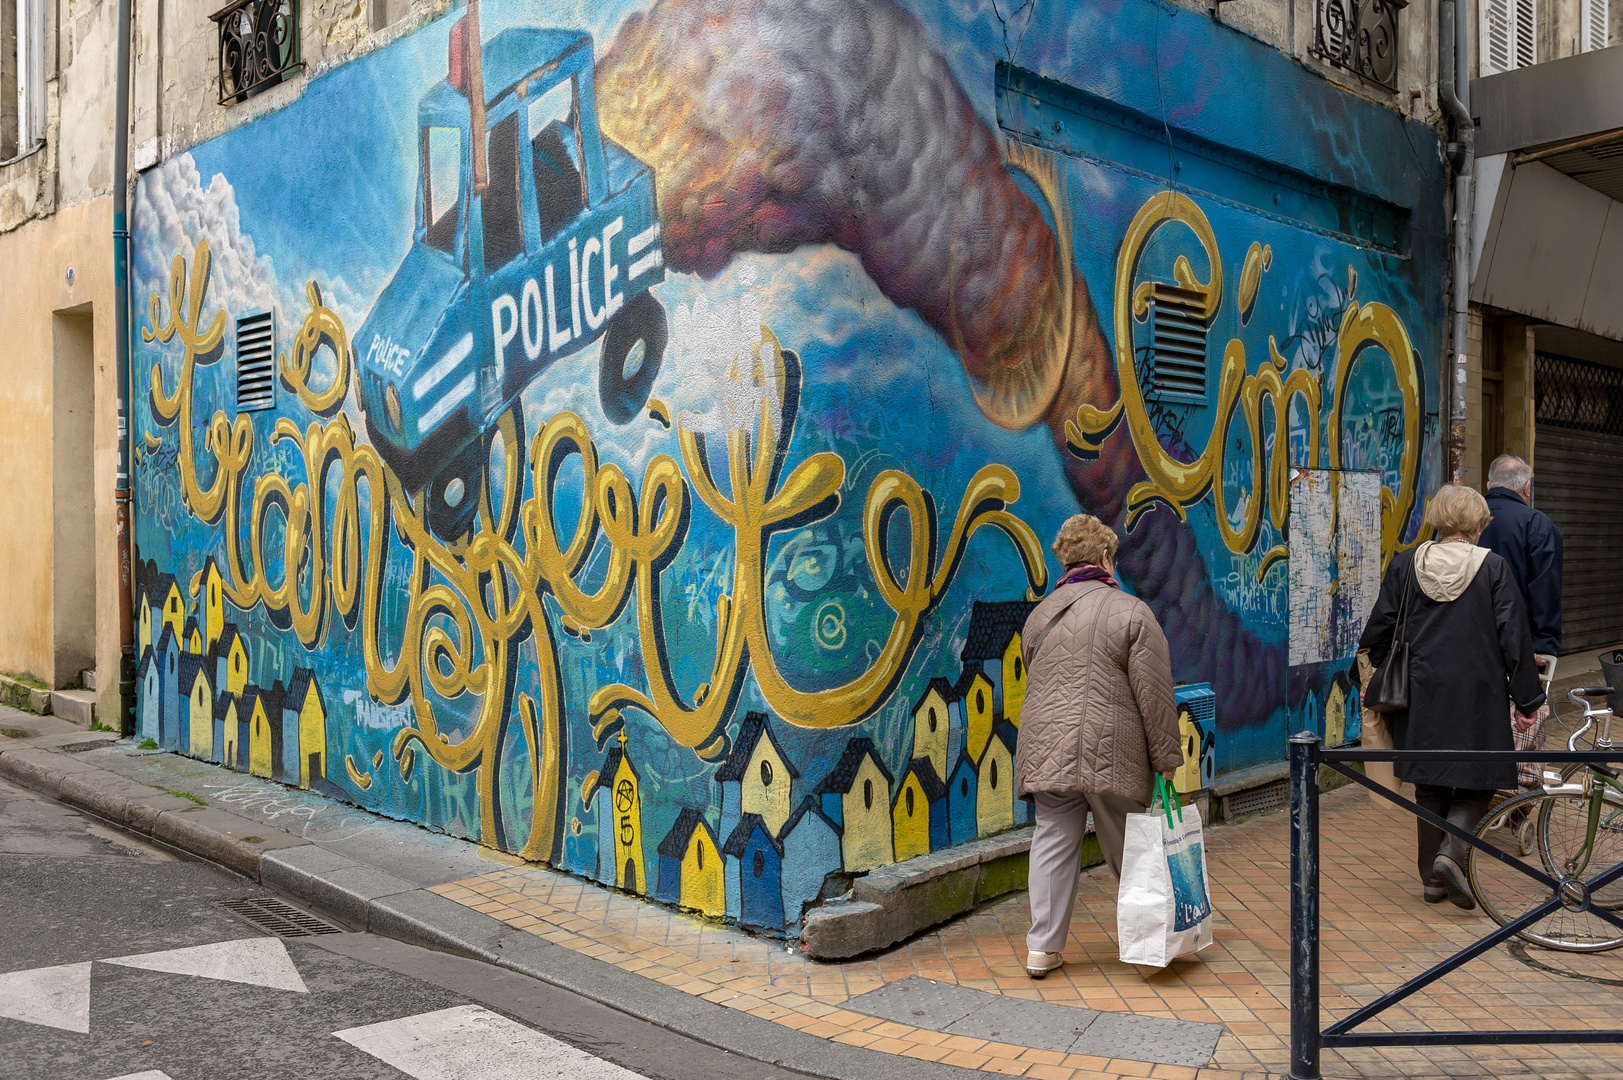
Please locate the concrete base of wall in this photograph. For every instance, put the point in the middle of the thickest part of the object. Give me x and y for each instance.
(19, 695)
(75, 706)
(895, 902)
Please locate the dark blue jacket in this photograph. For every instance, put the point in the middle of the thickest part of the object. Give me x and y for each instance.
(1529, 541)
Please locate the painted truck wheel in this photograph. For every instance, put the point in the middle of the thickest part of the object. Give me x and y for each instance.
(632, 351)
(454, 493)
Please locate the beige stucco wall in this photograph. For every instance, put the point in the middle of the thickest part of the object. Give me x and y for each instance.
(34, 261)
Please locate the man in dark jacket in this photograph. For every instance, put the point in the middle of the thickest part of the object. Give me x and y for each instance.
(1529, 541)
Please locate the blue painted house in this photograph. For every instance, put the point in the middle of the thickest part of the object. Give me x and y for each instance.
(811, 844)
(963, 790)
(755, 858)
(151, 694)
(170, 701)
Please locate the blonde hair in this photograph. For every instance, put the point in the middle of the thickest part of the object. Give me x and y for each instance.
(1458, 510)
(1084, 539)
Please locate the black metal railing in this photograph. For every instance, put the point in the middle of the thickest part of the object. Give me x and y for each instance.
(259, 46)
(1360, 36)
(1307, 1038)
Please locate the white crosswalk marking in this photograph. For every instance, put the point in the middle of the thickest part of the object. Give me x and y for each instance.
(56, 997)
(473, 1043)
(260, 961)
(150, 1074)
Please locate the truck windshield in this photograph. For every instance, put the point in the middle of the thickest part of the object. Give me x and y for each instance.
(442, 185)
(560, 191)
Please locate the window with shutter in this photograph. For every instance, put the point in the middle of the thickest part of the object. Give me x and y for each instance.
(1597, 24)
(1508, 34)
(1495, 36)
(1526, 33)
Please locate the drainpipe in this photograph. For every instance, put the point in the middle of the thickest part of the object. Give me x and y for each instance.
(1453, 93)
(121, 321)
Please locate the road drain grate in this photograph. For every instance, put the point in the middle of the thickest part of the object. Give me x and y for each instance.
(277, 917)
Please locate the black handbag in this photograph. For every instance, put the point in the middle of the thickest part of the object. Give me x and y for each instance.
(1389, 687)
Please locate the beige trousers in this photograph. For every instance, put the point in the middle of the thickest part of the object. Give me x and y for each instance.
(1056, 857)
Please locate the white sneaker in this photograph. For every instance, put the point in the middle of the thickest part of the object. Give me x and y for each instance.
(1039, 964)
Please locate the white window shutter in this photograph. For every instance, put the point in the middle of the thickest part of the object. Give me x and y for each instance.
(1526, 33)
(1496, 37)
(1597, 24)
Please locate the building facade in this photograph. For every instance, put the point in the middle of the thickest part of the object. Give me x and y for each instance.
(698, 384)
(58, 414)
(1545, 360)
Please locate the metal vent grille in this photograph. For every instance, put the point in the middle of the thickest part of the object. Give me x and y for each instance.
(1178, 344)
(256, 353)
(277, 917)
(1257, 800)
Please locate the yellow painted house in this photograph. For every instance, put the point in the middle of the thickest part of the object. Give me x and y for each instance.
(919, 816)
(932, 723)
(1335, 716)
(304, 697)
(856, 796)
(144, 625)
(174, 605)
(213, 605)
(1014, 680)
(200, 708)
(617, 793)
(975, 690)
(192, 640)
(231, 661)
(690, 866)
(225, 709)
(994, 796)
(261, 734)
(757, 777)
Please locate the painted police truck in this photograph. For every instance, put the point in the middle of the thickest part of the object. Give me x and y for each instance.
(548, 244)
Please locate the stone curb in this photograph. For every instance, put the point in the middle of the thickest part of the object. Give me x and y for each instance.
(365, 897)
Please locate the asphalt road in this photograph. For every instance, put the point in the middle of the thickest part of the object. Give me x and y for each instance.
(117, 962)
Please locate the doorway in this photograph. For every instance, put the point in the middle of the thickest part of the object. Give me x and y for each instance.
(73, 493)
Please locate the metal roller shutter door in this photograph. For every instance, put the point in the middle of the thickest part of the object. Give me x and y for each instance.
(1578, 481)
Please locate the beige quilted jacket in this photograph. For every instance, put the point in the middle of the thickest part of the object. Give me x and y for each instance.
(1098, 713)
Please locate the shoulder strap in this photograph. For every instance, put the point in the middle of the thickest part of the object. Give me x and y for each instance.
(1042, 634)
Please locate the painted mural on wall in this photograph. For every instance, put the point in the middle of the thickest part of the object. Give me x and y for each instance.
(650, 472)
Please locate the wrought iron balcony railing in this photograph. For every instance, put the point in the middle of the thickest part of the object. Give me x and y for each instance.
(259, 46)
(1360, 36)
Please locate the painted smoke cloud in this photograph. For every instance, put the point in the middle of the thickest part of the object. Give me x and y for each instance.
(793, 122)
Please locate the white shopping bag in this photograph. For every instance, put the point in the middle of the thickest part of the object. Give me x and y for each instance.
(1163, 910)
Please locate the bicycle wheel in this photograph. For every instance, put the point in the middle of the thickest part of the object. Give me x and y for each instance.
(1561, 823)
(1561, 827)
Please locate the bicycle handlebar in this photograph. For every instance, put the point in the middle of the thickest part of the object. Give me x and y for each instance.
(1578, 693)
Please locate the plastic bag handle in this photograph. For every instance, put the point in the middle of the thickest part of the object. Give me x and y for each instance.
(1166, 797)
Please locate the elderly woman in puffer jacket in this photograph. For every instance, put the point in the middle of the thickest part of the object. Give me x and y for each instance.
(1097, 725)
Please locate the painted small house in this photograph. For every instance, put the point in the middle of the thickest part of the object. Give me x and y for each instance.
(963, 791)
(265, 733)
(213, 605)
(1197, 734)
(143, 621)
(168, 606)
(304, 730)
(993, 648)
(919, 818)
(690, 865)
(617, 793)
(191, 639)
(168, 656)
(933, 724)
(754, 856)
(995, 804)
(151, 694)
(225, 730)
(230, 660)
(974, 689)
(247, 704)
(197, 683)
(756, 778)
(812, 845)
(856, 795)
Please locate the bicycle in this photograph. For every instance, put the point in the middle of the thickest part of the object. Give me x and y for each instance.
(1575, 823)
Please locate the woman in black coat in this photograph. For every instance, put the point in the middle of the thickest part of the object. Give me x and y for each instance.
(1470, 652)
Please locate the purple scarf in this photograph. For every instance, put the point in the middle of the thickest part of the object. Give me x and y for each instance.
(1087, 572)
